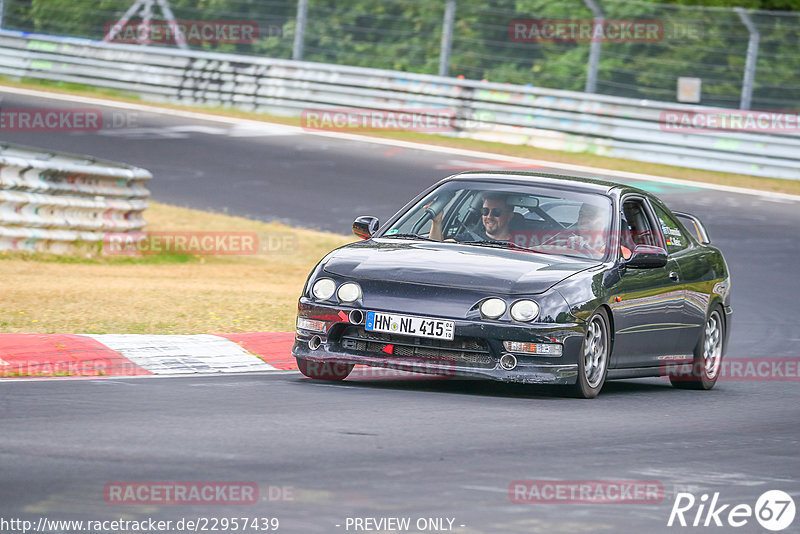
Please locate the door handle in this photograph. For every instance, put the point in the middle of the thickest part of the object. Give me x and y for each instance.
(673, 276)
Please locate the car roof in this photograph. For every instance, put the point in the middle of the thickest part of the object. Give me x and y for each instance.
(581, 183)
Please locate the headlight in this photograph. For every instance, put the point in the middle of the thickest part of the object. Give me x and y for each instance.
(323, 289)
(524, 310)
(349, 292)
(493, 308)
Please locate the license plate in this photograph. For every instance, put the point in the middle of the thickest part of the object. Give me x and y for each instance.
(408, 325)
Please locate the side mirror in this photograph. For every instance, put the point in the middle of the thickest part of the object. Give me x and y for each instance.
(647, 257)
(365, 226)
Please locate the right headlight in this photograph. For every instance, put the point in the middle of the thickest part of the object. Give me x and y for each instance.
(493, 308)
(524, 310)
(323, 289)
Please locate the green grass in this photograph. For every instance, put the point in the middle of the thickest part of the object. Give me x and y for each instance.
(86, 292)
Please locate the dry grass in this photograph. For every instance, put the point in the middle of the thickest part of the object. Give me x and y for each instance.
(164, 294)
(554, 156)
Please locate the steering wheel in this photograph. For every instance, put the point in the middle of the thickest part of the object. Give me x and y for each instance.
(428, 215)
(473, 235)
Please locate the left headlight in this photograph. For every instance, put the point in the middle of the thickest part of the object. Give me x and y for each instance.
(524, 310)
(349, 292)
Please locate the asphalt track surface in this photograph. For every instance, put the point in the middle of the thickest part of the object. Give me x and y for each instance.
(401, 448)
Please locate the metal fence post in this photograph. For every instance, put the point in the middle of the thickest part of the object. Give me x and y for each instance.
(2, 12)
(447, 37)
(300, 30)
(594, 50)
(752, 57)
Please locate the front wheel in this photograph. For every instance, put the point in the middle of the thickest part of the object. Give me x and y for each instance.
(707, 356)
(324, 370)
(594, 356)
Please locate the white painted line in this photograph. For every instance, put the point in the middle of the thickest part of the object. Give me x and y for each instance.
(169, 354)
(606, 173)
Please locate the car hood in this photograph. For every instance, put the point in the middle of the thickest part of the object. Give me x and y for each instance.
(494, 270)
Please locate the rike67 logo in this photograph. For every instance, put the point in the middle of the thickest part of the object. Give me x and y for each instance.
(774, 510)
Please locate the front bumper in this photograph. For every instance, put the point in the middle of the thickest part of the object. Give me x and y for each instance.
(341, 343)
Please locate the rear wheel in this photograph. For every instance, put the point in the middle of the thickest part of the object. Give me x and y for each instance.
(707, 356)
(324, 370)
(593, 360)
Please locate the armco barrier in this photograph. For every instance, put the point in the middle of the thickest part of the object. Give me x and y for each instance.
(546, 118)
(50, 200)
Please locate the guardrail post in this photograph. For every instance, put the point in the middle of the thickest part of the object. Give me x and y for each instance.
(594, 50)
(2, 12)
(752, 56)
(447, 37)
(300, 30)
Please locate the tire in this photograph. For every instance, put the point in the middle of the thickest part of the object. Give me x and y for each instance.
(708, 353)
(594, 357)
(324, 370)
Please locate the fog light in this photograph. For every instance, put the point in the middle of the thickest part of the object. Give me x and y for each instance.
(349, 292)
(493, 308)
(524, 310)
(304, 323)
(539, 349)
(323, 288)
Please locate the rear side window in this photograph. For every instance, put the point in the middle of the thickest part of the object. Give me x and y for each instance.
(675, 239)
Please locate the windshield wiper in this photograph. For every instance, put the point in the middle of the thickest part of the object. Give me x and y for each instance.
(412, 236)
(500, 244)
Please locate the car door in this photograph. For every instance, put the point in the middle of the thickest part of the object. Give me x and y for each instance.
(648, 303)
(695, 269)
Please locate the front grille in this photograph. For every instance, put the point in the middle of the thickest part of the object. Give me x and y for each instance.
(462, 351)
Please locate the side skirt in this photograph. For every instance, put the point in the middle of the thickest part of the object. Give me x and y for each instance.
(635, 372)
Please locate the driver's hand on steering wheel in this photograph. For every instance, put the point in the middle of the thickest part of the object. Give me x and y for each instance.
(436, 218)
(436, 223)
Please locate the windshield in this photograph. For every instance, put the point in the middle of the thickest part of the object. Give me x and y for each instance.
(525, 217)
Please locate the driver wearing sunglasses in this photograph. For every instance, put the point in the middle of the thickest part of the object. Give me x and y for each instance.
(496, 215)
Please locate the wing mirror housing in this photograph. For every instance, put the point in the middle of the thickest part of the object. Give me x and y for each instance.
(365, 226)
(646, 257)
